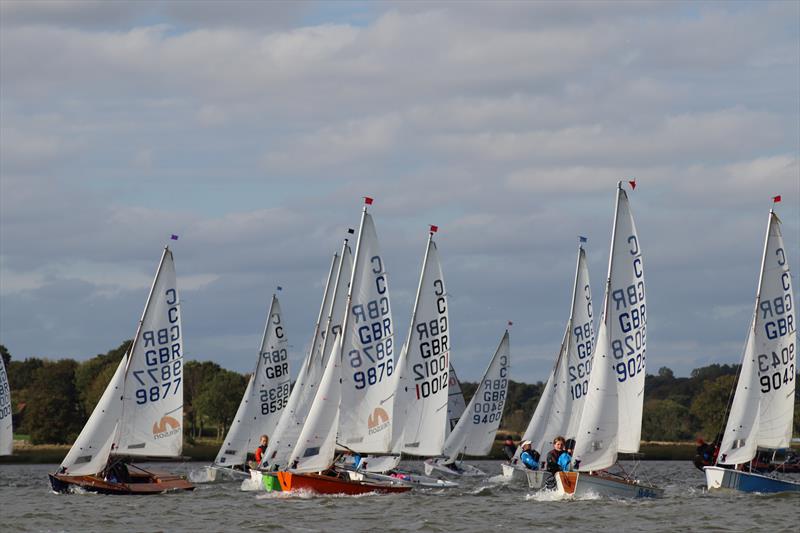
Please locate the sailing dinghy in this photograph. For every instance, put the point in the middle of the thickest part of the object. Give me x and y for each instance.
(762, 410)
(263, 402)
(353, 407)
(140, 414)
(611, 421)
(6, 429)
(560, 406)
(475, 431)
(421, 394)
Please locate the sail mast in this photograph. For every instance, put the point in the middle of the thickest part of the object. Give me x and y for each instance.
(322, 308)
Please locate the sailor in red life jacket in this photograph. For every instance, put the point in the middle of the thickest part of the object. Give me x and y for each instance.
(262, 447)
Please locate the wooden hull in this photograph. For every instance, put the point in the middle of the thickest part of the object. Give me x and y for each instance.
(139, 483)
(728, 479)
(583, 484)
(323, 484)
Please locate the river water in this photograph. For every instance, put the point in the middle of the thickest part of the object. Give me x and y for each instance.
(484, 504)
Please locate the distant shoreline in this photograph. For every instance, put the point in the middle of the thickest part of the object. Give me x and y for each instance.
(54, 453)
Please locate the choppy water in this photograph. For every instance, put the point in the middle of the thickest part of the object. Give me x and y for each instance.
(486, 504)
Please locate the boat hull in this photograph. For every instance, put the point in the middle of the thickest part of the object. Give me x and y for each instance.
(217, 474)
(583, 484)
(323, 484)
(460, 469)
(401, 477)
(537, 479)
(718, 478)
(512, 471)
(139, 484)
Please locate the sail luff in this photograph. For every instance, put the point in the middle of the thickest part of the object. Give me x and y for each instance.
(6, 429)
(323, 306)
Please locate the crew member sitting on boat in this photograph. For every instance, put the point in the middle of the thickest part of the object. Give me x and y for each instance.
(509, 448)
(529, 457)
(565, 459)
(262, 448)
(552, 465)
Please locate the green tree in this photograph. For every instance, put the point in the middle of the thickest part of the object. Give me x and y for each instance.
(53, 413)
(102, 366)
(665, 420)
(709, 407)
(220, 398)
(196, 376)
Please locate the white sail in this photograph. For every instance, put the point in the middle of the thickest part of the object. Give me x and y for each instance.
(626, 320)
(763, 406)
(90, 451)
(561, 404)
(266, 395)
(475, 431)
(316, 445)
(581, 345)
(368, 351)
(456, 405)
(6, 429)
(596, 437)
(152, 411)
(291, 423)
(421, 400)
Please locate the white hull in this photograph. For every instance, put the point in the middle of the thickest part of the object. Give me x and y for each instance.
(591, 485)
(728, 479)
(537, 478)
(403, 478)
(217, 474)
(460, 469)
(513, 471)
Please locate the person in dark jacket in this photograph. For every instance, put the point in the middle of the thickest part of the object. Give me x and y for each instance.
(551, 463)
(529, 457)
(509, 448)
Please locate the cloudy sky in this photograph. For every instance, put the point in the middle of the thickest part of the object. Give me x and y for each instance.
(252, 129)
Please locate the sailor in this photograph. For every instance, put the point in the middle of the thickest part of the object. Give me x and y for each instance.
(262, 447)
(554, 454)
(529, 457)
(509, 449)
(565, 459)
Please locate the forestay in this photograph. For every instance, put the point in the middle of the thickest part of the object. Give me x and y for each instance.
(763, 407)
(291, 423)
(368, 351)
(455, 401)
(152, 411)
(90, 451)
(266, 394)
(421, 398)
(6, 429)
(316, 445)
(475, 431)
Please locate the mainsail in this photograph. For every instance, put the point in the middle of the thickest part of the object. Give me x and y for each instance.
(6, 430)
(456, 405)
(763, 406)
(475, 431)
(368, 351)
(152, 397)
(561, 404)
(421, 398)
(329, 323)
(612, 418)
(266, 394)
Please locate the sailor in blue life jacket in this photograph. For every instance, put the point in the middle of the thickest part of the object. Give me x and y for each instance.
(529, 457)
(565, 459)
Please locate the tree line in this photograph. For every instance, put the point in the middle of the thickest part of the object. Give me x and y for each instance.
(53, 399)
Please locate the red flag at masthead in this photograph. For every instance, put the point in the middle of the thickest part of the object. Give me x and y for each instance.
(367, 200)
(434, 229)
(632, 184)
(776, 199)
